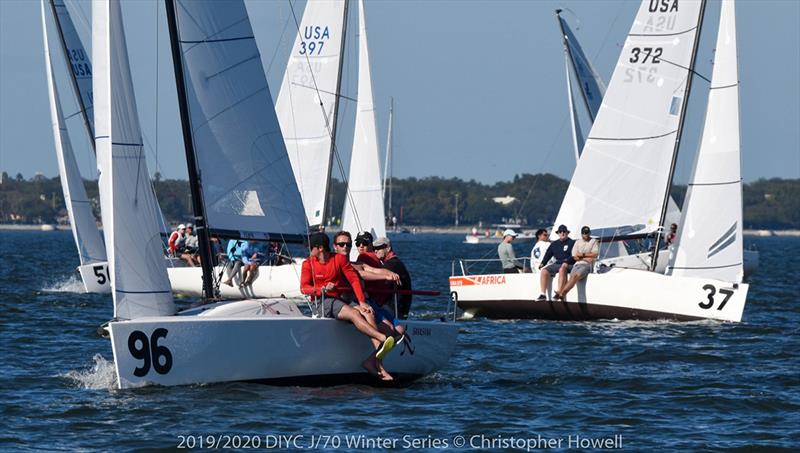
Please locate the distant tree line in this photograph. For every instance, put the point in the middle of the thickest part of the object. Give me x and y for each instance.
(528, 199)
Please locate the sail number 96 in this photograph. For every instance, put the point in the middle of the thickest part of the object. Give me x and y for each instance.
(712, 291)
(149, 352)
(642, 54)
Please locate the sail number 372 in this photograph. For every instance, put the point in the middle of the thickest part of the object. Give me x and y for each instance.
(712, 291)
(149, 352)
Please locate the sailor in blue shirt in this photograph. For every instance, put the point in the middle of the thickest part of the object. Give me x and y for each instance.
(561, 250)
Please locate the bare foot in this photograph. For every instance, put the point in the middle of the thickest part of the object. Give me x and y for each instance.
(228, 282)
(371, 367)
(384, 375)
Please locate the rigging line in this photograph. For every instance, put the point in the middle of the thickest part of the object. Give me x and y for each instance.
(278, 46)
(158, 9)
(327, 123)
(690, 70)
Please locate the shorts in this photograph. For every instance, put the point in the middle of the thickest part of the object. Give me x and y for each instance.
(331, 307)
(553, 268)
(581, 269)
(382, 312)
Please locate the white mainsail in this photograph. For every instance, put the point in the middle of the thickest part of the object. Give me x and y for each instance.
(248, 188)
(308, 98)
(710, 232)
(137, 268)
(363, 205)
(84, 227)
(78, 60)
(621, 179)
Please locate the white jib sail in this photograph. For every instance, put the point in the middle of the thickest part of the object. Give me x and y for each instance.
(130, 213)
(363, 206)
(621, 178)
(710, 233)
(312, 78)
(248, 186)
(84, 226)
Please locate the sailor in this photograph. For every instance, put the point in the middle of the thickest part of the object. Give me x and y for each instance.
(561, 250)
(506, 252)
(326, 276)
(584, 252)
(539, 249)
(673, 234)
(385, 252)
(252, 257)
(234, 254)
(174, 239)
(190, 247)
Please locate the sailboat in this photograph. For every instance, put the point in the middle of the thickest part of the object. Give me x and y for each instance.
(247, 189)
(633, 143)
(93, 267)
(582, 75)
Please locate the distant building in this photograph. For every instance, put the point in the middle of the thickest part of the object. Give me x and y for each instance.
(505, 201)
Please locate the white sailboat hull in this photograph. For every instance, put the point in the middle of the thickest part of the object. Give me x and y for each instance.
(625, 294)
(272, 281)
(476, 239)
(95, 277)
(250, 341)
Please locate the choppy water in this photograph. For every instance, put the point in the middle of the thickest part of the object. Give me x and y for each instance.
(697, 386)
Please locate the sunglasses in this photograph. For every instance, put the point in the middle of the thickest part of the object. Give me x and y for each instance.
(380, 247)
(344, 244)
(362, 243)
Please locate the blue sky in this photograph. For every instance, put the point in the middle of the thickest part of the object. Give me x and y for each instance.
(478, 85)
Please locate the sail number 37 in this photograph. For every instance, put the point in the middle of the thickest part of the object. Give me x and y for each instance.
(712, 291)
(149, 352)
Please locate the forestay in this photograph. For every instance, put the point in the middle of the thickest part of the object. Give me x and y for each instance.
(307, 101)
(622, 176)
(710, 234)
(247, 183)
(84, 227)
(363, 206)
(130, 213)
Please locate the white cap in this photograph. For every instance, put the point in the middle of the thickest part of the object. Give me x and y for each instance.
(181, 227)
(510, 232)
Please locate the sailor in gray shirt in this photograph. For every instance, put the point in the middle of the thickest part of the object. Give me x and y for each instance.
(585, 252)
(506, 252)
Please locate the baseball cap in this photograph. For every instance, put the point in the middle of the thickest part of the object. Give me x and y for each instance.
(562, 228)
(382, 242)
(586, 230)
(364, 237)
(510, 232)
(189, 225)
(181, 227)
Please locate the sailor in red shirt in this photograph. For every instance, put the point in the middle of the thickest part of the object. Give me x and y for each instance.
(175, 238)
(325, 275)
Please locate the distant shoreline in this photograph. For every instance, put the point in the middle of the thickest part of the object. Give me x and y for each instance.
(415, 229)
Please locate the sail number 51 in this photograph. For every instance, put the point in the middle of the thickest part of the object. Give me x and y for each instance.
(712, 291)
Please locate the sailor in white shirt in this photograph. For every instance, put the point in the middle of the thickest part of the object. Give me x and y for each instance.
(539, 249)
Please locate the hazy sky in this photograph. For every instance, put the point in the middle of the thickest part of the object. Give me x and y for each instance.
(479, 86)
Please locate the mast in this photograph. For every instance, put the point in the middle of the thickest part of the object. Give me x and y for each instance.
(387, 161)
(684, 104)
(337, 95)
(72, 78)
(572, 59)
(194, 177)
